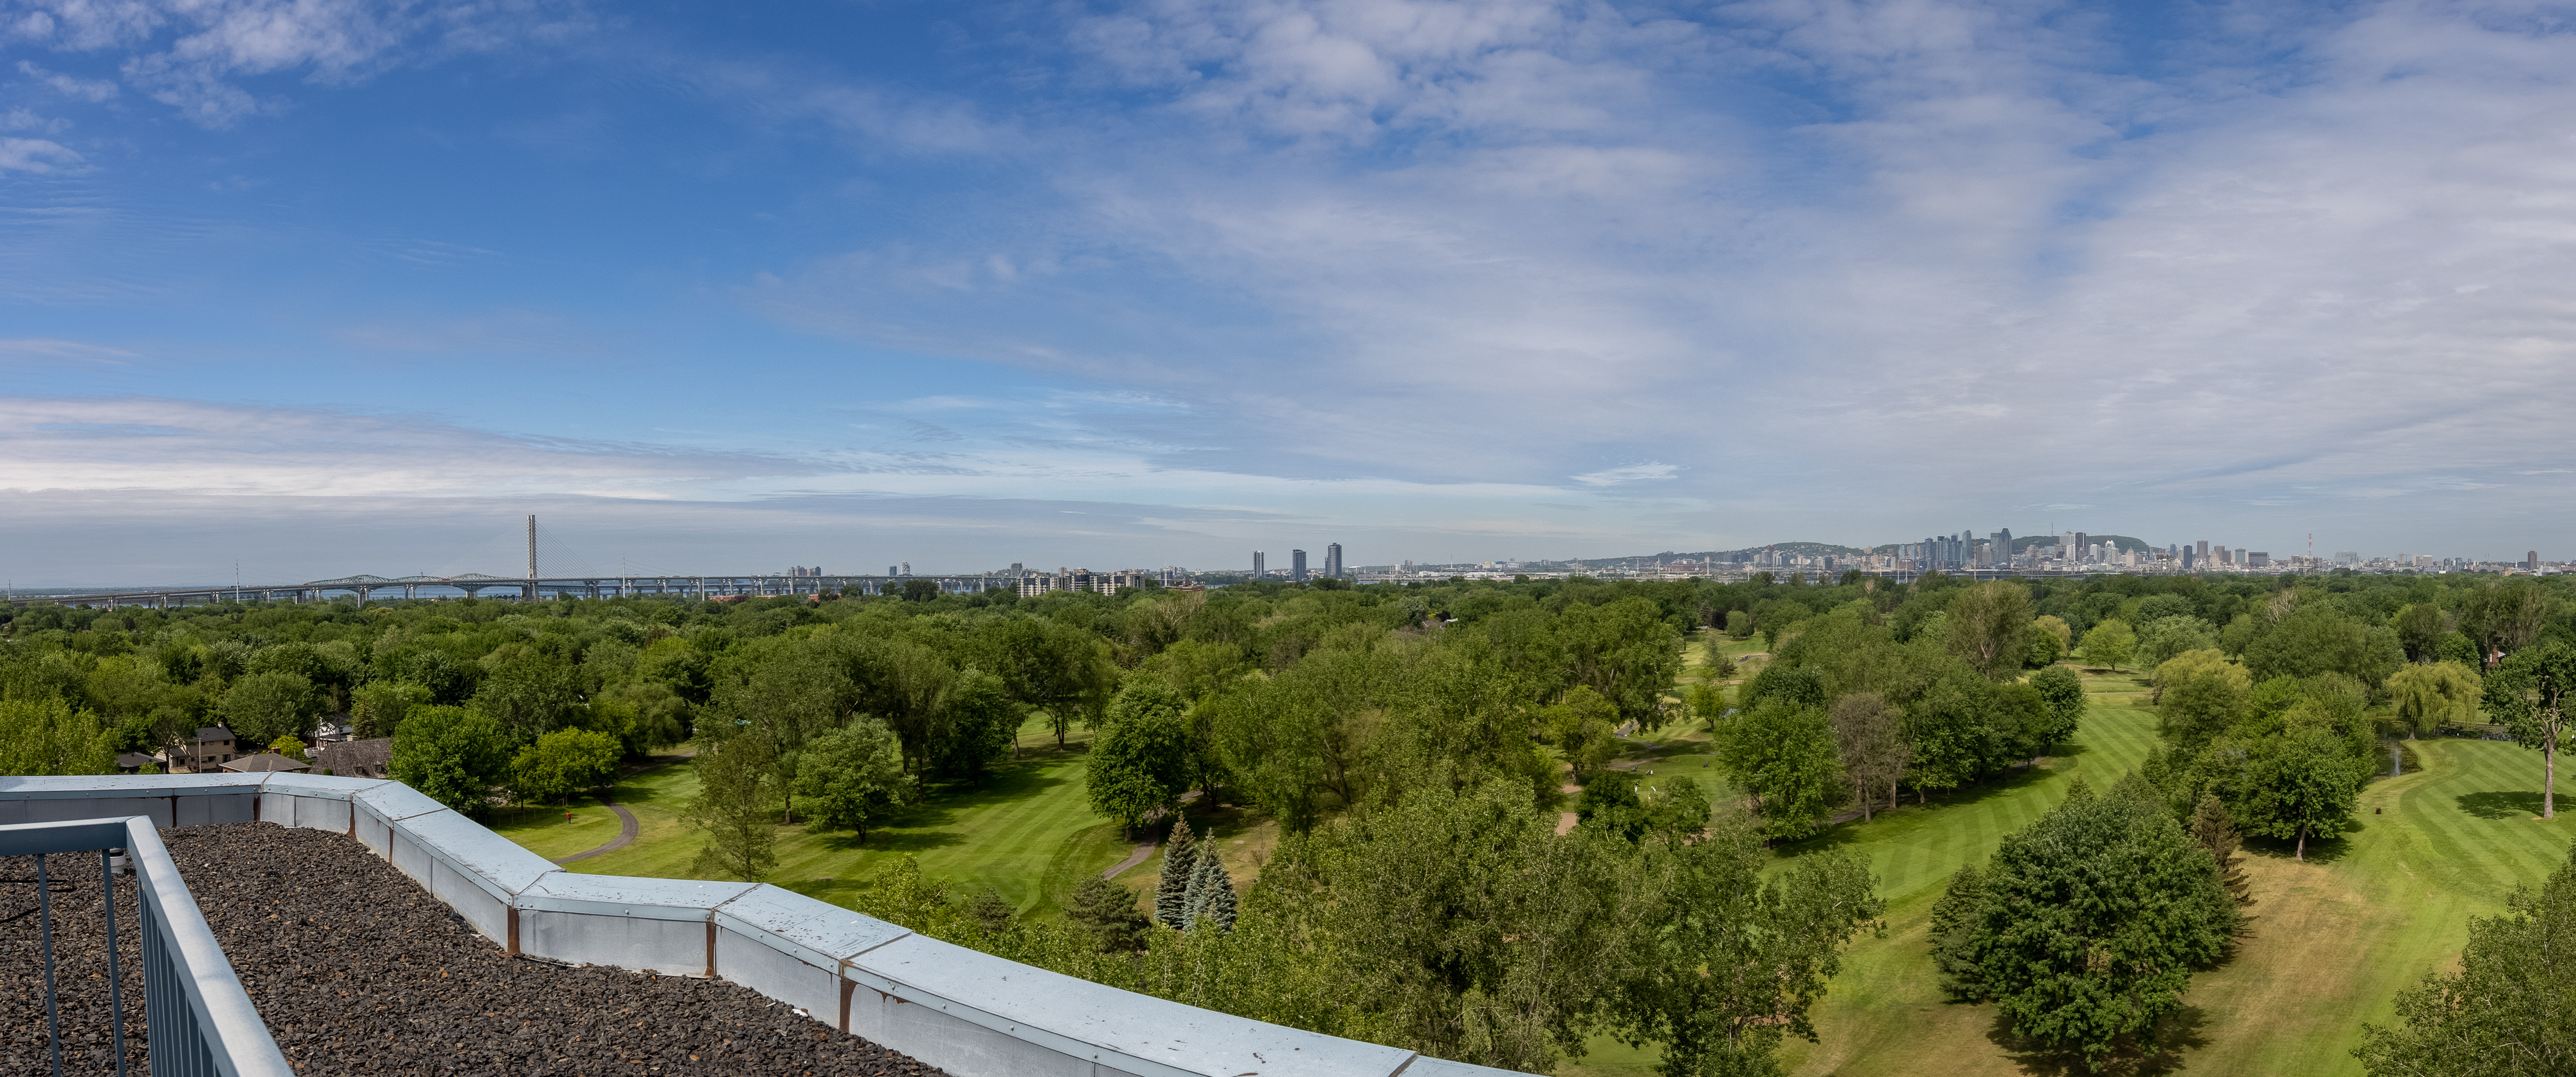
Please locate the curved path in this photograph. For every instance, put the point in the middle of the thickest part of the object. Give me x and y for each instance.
(1135, 856)
(626, 827)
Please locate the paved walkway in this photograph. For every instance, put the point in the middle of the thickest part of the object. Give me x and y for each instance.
(626, 828)
(1142, 851)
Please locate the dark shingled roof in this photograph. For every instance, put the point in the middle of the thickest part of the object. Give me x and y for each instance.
(355, 758)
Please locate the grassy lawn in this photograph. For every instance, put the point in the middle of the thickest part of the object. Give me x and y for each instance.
(1026, 833)
(2329, 942)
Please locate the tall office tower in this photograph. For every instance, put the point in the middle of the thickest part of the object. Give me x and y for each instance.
(2531, 561)
(2082, 542)
(1015, 567)
(2186, 558)
(2066, 545)
(1260, 564)
(1333, 560)
(890, 571)
(907, 568)
(1297, 566)
(2204, 551)
(2004, 549)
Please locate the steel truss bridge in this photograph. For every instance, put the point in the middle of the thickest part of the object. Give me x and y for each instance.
(525, 589)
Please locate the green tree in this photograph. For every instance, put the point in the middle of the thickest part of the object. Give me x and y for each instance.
(852, 776)
(1624, 651)
(1611, 805)
(1056, 668)
(452, 755)
(1728, 958)
(1784, 757)
(2110, 643)
(563, 764)
(47, 736)
(2059, 635)
(1172, 888)
(2504, 616)
(2317, 639)
(377, 708)
(1139, 764)
(1477, 934)
(289, 746)
(1988, 627)
(2505, 1012)
(732, 808)
(2089, 922)
(1869, 737)
(2528, 692)
(2171, 636)
(2457, 647)
(2241, 634)
(1209, 902)
(978, 723)
(2420, 627)
(2301, 783)
(533, 695)
(261, 707)
(1581, 729)
(1108, 912)
(2432, 695)
(2215, 830)
(1739, 624)
(2063, 692)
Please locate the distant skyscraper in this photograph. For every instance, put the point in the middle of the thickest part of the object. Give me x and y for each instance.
(1333, 560)
(2204, 551)
(2186, 558)
(890, 571)
(1297, 566)
(2531, 560)
(1260, 564)
(907, 568)
(2066, 545)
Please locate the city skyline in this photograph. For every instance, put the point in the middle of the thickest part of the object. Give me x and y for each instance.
(967, 281)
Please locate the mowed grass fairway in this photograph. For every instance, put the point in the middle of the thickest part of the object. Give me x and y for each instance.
(1027, 833)
(2329, 942)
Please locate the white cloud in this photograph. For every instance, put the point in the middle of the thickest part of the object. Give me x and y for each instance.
(78, 89)
(1619, 476)
(37, 155)
(2313, 259)
(193, 55)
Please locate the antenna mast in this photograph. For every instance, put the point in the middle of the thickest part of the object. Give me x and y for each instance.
(532, 557)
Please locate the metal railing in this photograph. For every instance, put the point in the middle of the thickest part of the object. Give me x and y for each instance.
(201, 1023)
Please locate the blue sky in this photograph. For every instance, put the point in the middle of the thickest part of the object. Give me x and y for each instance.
(324, 286)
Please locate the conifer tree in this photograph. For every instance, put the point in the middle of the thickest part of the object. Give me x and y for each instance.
(1204, 881)
(1108, 910)
(1171, 894)
(2211, 827)
(1217, 906)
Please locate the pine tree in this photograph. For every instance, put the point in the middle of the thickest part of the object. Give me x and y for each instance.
(1204, 881)
(1108, 910)
(1217, 906)
(1180, 859)
(2215, 832)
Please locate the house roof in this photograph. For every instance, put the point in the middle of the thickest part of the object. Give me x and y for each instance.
(264, 761)
(134, 759)
(212, 732)
(345, 757)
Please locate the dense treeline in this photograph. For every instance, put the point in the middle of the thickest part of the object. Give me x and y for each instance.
(1410, 741)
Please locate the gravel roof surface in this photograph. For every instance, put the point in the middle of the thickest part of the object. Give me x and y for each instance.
(358, 971)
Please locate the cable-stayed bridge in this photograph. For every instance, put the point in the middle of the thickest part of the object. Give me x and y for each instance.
(584, 582)
(475, 584)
